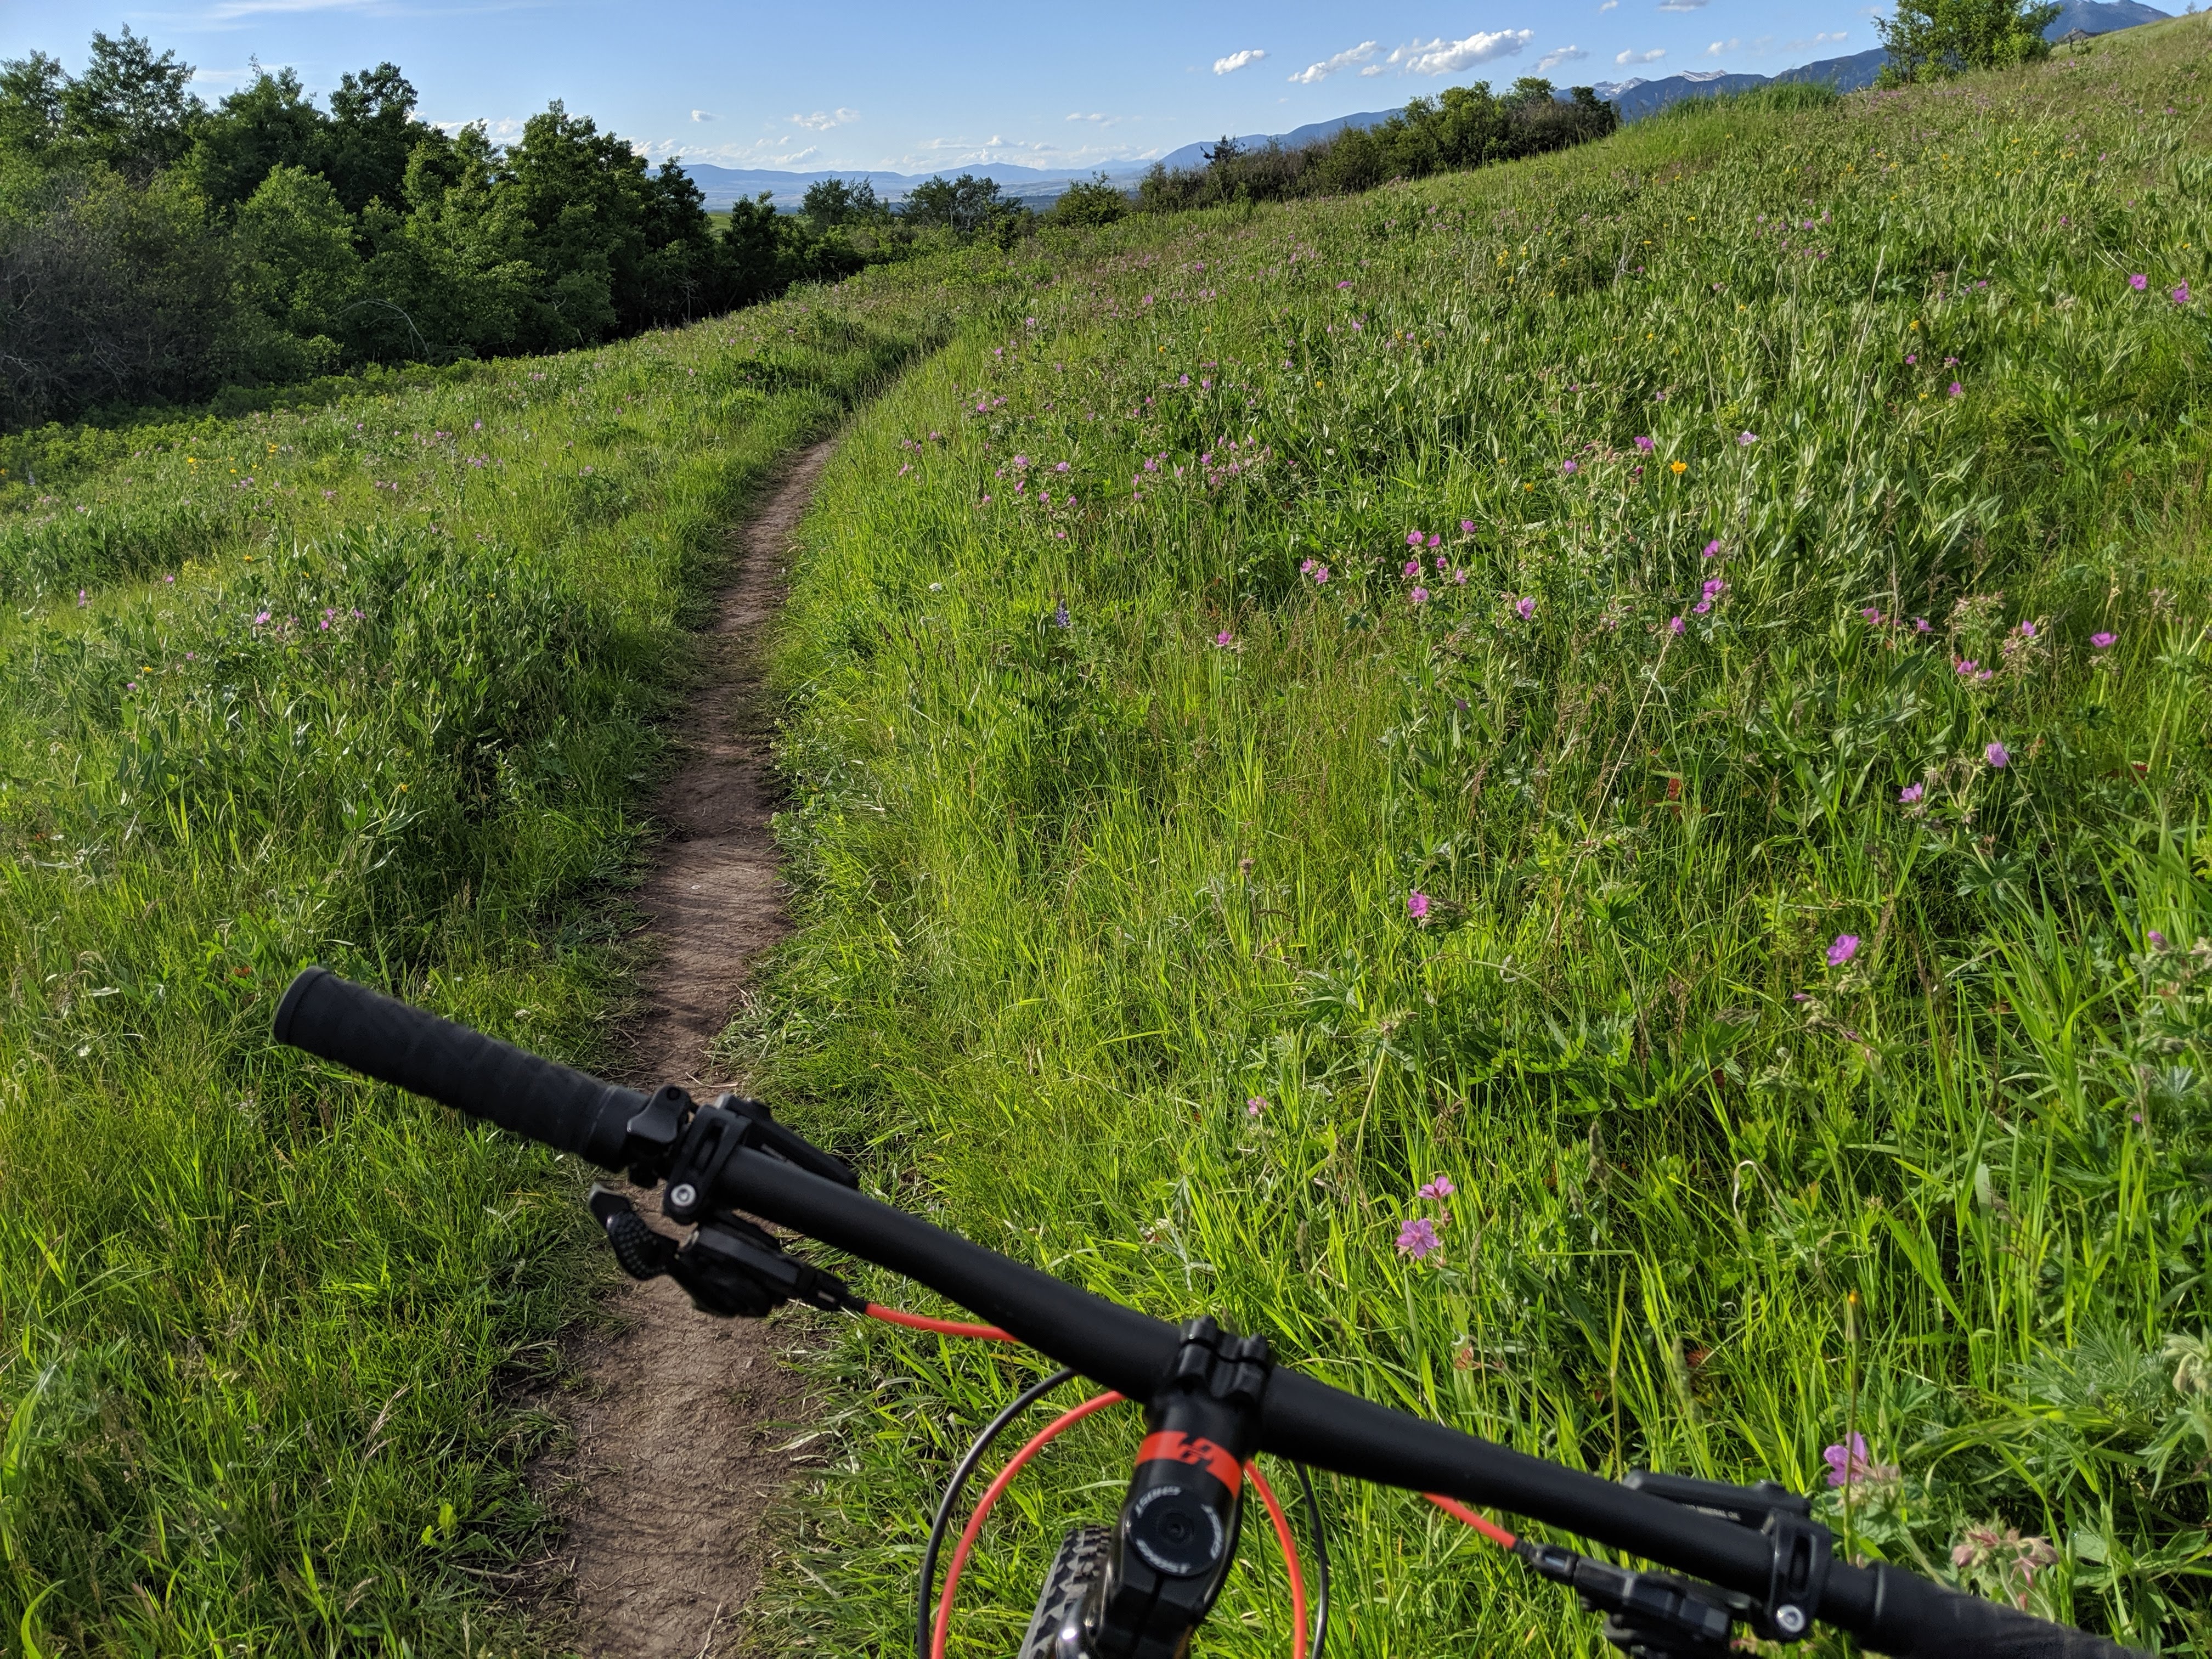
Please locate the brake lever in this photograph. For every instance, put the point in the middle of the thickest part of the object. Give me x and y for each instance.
(728, 1267)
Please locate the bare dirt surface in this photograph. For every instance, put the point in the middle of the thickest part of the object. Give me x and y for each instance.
(675, 1427)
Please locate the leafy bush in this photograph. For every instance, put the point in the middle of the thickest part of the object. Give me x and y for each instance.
(1096, 201)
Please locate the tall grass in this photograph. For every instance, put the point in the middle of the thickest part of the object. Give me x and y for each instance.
(1433, 684)
(372, 682)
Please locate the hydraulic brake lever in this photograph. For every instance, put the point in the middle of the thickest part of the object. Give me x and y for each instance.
(729, 1266)
(1655, 1615)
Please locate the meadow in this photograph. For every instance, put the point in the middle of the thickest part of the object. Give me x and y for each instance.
(1579, 791)
(373, 678)
(1697, 959)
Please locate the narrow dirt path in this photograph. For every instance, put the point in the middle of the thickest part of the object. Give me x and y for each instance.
(673, 1464)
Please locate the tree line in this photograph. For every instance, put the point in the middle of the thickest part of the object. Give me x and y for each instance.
(155, 248)
(1465, 127)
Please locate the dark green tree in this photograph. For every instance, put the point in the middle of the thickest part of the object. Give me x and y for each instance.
(371, 135)
(129, 108)
(1931, 40)
(830, 203)
(31, 105)
(269, 123)
(966, 206)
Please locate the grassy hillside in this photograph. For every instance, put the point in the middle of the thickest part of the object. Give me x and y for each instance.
(1665, 686)
(372, 682)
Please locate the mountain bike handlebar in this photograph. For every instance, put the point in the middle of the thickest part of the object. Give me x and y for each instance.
(1892, 1611)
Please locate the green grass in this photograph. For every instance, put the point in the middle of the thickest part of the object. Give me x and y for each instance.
(372, 682)
(1076, 887)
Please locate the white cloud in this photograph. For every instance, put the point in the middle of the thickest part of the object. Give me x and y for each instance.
(1329, 66)
(1609, 6)
(822, 120)
(1641, 56)
(1443, 57)
(1080, 116)
(1719, 47)
(1830, 39)
(1681, 6)
(1558, 55)
(1237, 60)
(1373, 69)
(702, 115)
(762, 153)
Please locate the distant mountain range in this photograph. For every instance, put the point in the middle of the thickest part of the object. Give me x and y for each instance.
(1637, 98)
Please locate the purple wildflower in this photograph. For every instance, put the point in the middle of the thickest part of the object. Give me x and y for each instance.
(1418, 1238)
(1417, 905)
(1253, 1105)
(1712, 550)
(1997, 756)
(1645, 445)
(1440, 1187)
(1958, 390)
(1849, 1464)
(1746, 439)
(1525, 607)
(1569, 467)
(2181, 295)
(1909, 793)
(2138, 282)
(1412, 538)
(1674, 624)
(1846, 947)
(1224, 638)
(2103, 641)
(1420, 596)
(1466, 527)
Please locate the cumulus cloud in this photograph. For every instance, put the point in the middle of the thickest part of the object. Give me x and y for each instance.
(1443, 57)
(1719, 47)
(822, 120)
(1237, 60)
(1373, 69)
(703, 115)
(1609, 6)
(1558, 55)
(1651, 57)
(1329, 66)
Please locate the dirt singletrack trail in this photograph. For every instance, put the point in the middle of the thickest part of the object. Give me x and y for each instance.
(674, 1458)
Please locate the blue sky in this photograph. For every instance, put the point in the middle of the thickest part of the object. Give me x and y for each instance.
(911, 87)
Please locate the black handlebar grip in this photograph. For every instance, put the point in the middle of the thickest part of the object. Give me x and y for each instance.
(466, 1070)
(1913, 1619)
